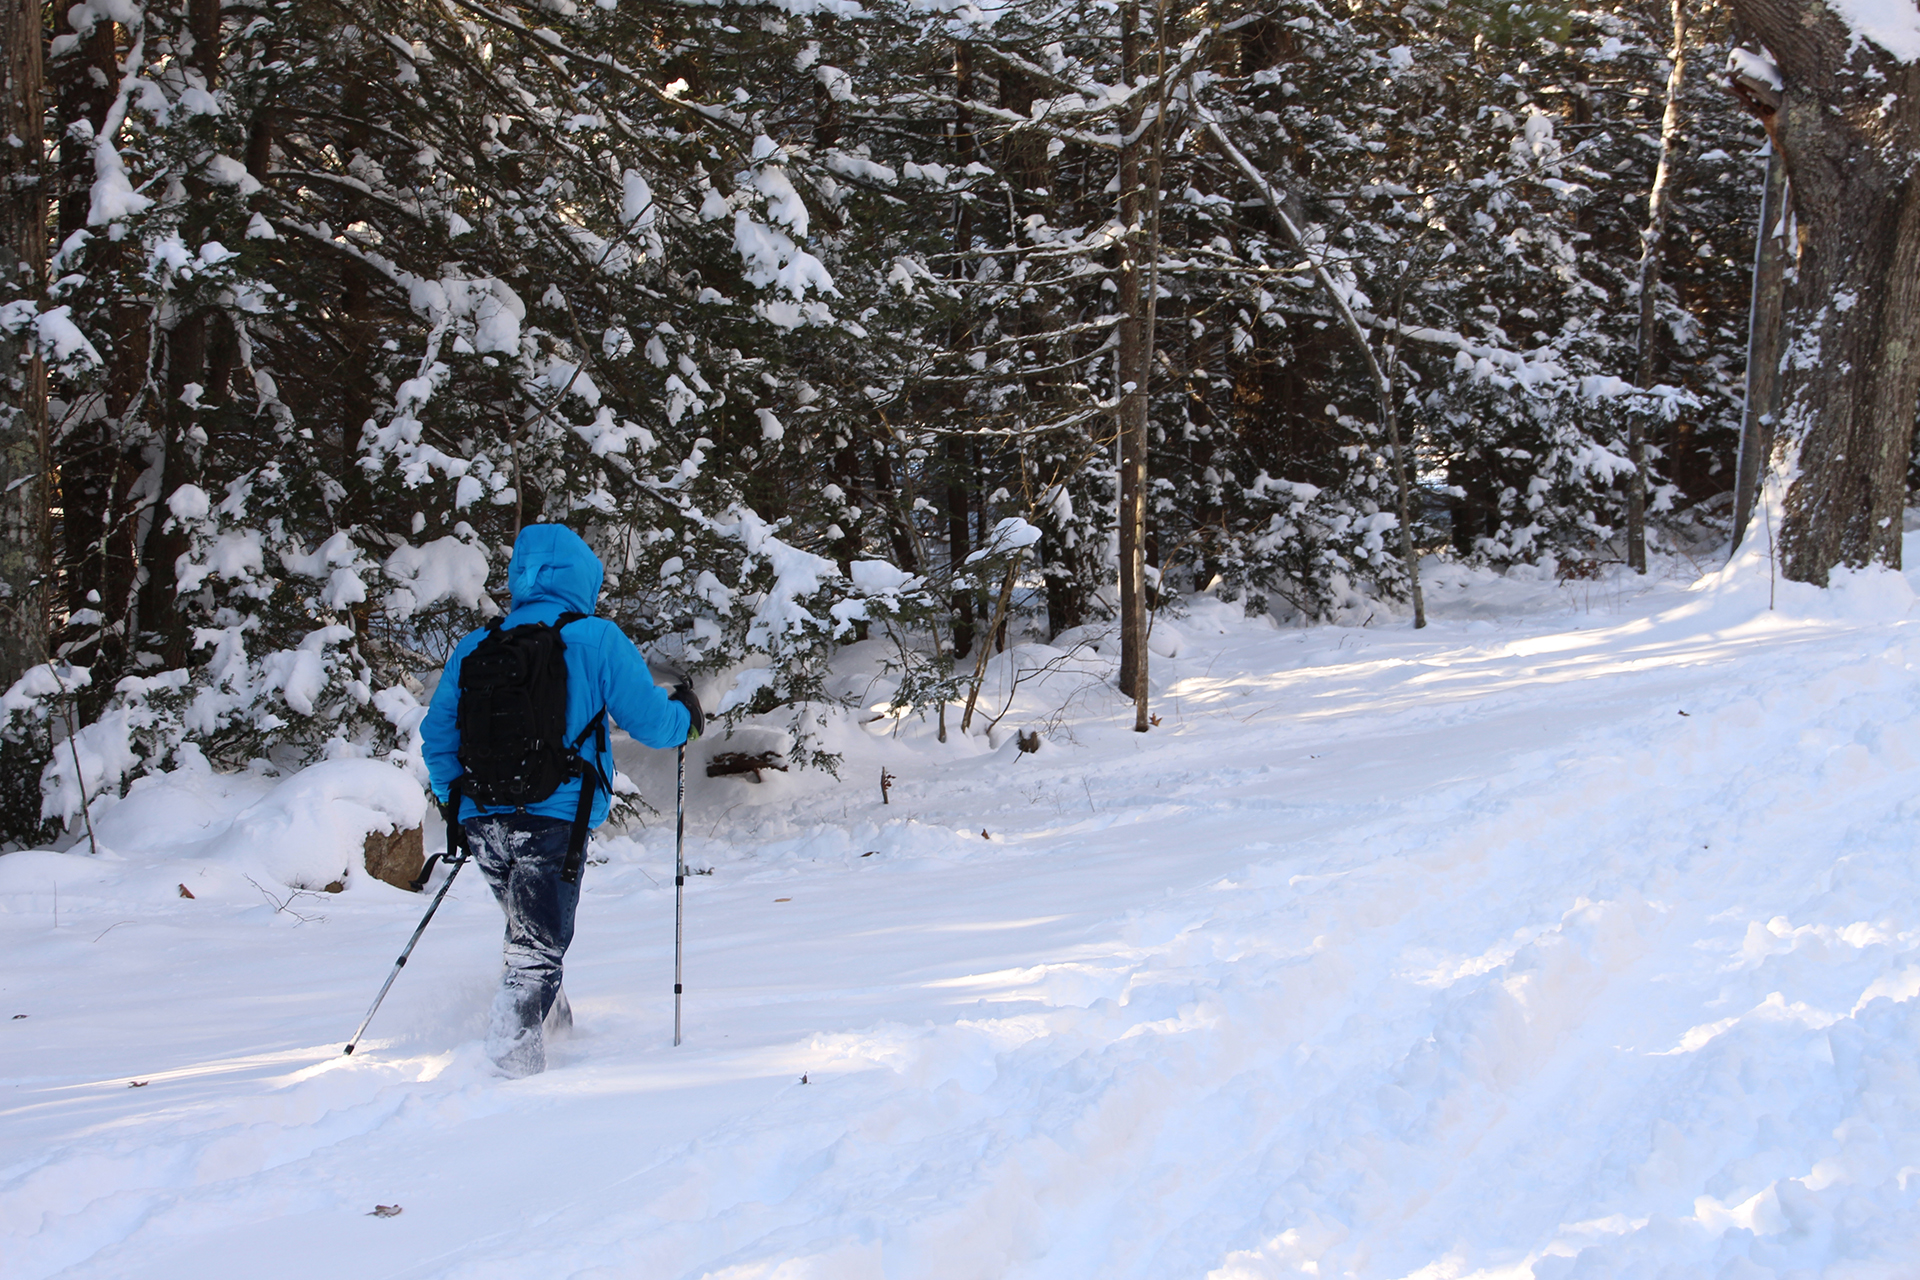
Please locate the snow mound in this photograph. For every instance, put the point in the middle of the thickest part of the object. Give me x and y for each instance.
(311, 830)
(1750, 583)
(215, 831)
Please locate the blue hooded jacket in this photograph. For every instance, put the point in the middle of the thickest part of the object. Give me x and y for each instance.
(552, 572)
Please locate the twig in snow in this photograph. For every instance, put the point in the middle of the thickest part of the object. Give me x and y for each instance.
(287, 905)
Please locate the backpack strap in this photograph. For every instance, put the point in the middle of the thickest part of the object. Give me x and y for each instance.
(591, 780)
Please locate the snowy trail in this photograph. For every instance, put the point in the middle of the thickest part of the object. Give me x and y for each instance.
(1388, 955)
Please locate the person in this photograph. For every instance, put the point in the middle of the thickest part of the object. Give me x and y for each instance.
(523, 852)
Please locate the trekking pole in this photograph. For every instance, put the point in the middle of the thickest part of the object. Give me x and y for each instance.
(401, 963)
(679, 879)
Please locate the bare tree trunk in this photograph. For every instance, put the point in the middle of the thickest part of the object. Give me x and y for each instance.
(23, 376)
(1402, 482)
(188, 345)
(1763, 345)
(899, 524)
(1847, 126)
(1650, 245)
(959, 542)
(1134, 369)
(97, 550)
(960, 477)
(1139, 303)
(986, 651)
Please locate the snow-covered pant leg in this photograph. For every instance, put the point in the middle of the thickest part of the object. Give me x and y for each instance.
(521, 856)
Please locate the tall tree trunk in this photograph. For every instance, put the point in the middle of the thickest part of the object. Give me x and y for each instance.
(1847, 127)
(23, 377)
(1135, 368)
(1023, 156)
(959, 473)
(199, 352)
(1763, 345)
(887, 490)
(96, 473)
(1402, 480)
(959, 543)
(1651, 241)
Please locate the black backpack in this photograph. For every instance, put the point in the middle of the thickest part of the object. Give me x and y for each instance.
(512, 719)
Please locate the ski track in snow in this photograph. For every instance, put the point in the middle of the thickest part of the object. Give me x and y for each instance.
(1460, 953)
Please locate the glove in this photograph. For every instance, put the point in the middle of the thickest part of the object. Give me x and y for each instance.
(696, 718)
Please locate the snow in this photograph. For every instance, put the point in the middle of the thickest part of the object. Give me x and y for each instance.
(309, 830)
(490, 304)
(189, 502)
(878, 577)
(228, 172)
(1007, 535)
(636, 201)
(60, 339)
(1755, 66)
(112, 196)
(450, 568)
(860, 167)
(772, 258)
(1894, 25)
(44, 681)
(783, 202)
(236, 555)
(1575, 936)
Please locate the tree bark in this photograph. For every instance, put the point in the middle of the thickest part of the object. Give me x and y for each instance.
(899, 521)
(23, 376)
(1135, 360)
(1847, 126)
(960, 475)
(95, 471)
(959, 542)
(190, 358)
(1651, 241)
(1763, 346)
(1402, 481)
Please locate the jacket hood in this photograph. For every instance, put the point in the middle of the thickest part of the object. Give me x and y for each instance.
(554, 565)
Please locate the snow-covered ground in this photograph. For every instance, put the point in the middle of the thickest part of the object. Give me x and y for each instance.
(1576, 935)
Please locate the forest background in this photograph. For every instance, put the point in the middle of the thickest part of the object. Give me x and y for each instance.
(827, 320)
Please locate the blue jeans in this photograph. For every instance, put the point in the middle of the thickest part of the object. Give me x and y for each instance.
(521, 857)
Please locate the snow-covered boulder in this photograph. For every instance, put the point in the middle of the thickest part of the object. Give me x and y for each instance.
(310, 831)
